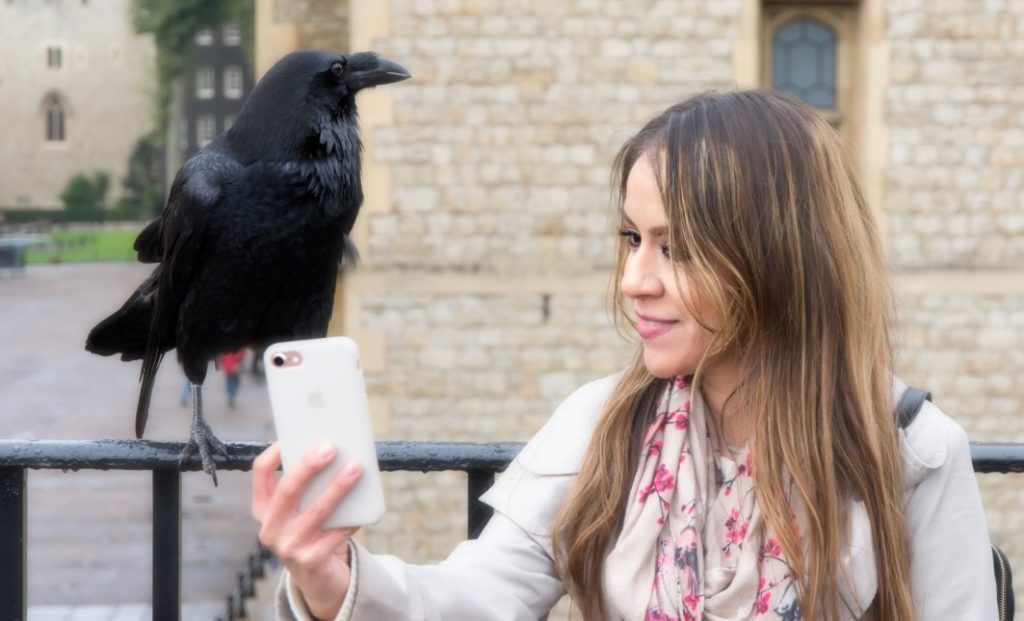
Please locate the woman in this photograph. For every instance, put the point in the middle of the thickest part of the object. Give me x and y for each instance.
(746, 464)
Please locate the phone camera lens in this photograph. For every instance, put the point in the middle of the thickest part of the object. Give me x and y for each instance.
(278, 360)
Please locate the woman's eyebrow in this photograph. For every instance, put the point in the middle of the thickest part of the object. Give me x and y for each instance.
(658, 231)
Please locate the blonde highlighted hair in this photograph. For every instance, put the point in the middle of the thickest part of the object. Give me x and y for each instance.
(769, 223)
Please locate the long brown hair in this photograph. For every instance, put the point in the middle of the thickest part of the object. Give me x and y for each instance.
(769, 223)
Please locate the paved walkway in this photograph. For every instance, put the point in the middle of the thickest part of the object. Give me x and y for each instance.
(89, 549)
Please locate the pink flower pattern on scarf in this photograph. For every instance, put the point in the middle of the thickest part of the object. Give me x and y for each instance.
(683, 490)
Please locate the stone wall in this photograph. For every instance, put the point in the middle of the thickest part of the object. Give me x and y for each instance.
(320, 24)
(107, 79)
(501, 143)
(955, 116)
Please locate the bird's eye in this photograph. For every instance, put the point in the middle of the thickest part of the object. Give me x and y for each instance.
(338, 69)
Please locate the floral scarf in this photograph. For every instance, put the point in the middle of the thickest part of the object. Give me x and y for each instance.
(693, 544)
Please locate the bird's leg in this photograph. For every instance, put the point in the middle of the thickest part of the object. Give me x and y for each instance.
(202, 438)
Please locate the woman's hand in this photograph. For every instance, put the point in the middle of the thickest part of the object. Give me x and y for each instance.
(317, 558)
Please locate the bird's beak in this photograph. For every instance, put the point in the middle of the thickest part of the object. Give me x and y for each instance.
(376, 72)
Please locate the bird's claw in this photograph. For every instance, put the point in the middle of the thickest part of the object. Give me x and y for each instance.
(203, 440)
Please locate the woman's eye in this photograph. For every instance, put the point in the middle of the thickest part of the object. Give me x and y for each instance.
(632, 237)
(665, 252)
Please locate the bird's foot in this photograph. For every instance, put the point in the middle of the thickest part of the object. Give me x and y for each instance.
(203, 440)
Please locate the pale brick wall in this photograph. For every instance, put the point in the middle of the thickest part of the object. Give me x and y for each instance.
(107, 77)
(502, 141)
(955, 111)
(490, 367)
(321, 24)
(969, 350)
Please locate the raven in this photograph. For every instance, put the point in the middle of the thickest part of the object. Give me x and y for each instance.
(254, 231)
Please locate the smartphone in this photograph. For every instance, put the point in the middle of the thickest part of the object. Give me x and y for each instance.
(317, 395)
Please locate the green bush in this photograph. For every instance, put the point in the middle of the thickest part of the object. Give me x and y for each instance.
(84, 194)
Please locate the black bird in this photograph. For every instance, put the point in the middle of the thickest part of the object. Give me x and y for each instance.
(255, 228)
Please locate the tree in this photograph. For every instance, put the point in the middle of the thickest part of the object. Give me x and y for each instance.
(173, 23)
(144, 183)
(83, 194)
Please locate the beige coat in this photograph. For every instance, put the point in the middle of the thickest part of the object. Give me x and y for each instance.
(508, 575)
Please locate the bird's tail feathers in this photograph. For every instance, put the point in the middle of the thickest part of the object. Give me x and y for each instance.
(150, 364)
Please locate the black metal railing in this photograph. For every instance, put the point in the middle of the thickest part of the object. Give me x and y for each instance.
(479, 461)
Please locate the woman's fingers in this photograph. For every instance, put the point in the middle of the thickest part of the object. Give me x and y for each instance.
(283, 504)
(299, 538)
(311, 520)
(264, 478)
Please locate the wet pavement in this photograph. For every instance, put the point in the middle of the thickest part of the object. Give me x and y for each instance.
(89, 553)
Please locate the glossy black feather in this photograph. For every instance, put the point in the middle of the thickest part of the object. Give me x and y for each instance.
(255, 227)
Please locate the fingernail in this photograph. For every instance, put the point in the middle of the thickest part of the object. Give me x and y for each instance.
(326, 452)
(352, 469)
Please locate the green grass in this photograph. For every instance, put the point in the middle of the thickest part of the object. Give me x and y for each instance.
(86, 246)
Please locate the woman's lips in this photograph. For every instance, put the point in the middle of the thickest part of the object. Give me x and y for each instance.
(649, 328)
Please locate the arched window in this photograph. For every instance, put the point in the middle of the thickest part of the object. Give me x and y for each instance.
(809, 51)
(804, 61)
(54, 112)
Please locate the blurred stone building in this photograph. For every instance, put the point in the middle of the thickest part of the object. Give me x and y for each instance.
(485, 237)
(69, 70)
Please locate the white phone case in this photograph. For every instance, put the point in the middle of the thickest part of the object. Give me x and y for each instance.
(318, 395)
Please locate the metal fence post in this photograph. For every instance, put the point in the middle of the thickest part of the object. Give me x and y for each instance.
(166, 545)
(12, 543)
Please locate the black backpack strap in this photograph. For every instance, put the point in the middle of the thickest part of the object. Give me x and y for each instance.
(910, 404)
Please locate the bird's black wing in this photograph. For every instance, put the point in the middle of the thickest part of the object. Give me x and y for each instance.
(197, 194)
(181, 236)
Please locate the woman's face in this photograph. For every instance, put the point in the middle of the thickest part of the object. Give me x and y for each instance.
(674, 341)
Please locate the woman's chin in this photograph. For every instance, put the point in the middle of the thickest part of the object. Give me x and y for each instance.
(659, 367)
(665, 363)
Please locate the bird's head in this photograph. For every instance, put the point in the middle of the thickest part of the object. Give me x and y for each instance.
(301, 92)
(336, 78)
(361, 70)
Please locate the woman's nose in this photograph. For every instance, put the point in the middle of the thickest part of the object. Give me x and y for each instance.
(639, 276)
